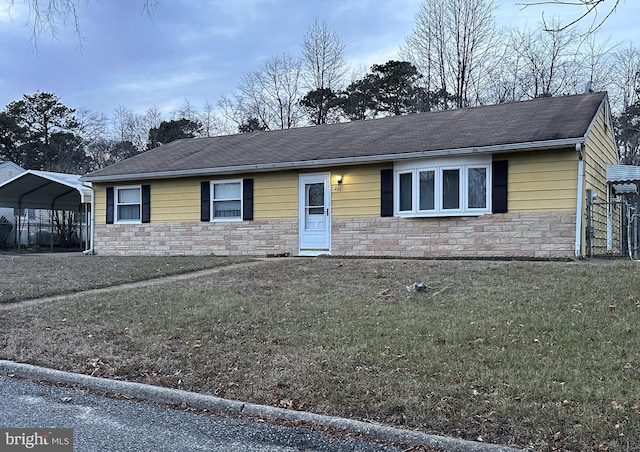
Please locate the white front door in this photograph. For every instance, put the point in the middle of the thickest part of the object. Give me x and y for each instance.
(315, 214)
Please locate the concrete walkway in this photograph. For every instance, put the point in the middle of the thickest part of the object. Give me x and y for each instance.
(134, 285)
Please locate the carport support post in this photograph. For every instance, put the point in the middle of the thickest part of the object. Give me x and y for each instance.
(80, 226)
(51, 238)
(18, 228)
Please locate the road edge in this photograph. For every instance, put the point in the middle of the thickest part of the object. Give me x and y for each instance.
(171, 396)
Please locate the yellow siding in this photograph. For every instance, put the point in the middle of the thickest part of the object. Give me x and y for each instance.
(542, 180)
(171, 199)
(599, 150)
(275, 195)
(100, 201)
(359, 193)
(175, 200)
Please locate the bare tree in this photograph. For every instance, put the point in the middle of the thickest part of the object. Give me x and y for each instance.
(592, 9)
(186, 111)
(233, 112)
(595, 60)
(248, 103)
(125, 123)
(452, 41)
(323, 66)
(323, 61)
(104, 152)
(549, 62)
(279, 80)
(625, 94)
(625, 76)
(503, 79)
(211, 124)
(152, 117)
(92, 125)
(134, 128)
(268, 96)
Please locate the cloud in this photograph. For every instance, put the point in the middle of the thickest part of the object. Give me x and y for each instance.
(166, 82)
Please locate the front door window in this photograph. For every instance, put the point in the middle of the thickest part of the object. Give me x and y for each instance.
(314, 194)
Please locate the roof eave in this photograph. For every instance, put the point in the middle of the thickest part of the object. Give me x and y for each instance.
(494, 149)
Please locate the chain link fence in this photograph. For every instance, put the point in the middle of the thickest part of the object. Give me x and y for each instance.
(612, 227)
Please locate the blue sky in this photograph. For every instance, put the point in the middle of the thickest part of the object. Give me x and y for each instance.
(197, 50)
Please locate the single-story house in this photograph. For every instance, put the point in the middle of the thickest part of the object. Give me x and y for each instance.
(499, 180)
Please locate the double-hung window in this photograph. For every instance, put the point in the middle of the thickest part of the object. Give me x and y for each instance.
(226, 200)
(442, 187)
(128, 204)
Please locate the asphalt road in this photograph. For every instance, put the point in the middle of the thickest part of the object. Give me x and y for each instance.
(106, 424)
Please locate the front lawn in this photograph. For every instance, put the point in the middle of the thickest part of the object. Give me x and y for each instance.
(534, 354)
(26, 277)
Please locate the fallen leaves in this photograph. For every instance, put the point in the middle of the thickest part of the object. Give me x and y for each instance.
(97, 365)
(286, 403)
(618, 406)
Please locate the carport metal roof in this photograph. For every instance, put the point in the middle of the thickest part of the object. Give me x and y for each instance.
(45, 190)
(623, 178)
(621, 174)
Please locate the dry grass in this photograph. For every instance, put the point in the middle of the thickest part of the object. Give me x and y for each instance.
(29, 276)
(537, 354)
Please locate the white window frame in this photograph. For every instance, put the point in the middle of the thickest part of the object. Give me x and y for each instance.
(487, 194)
(117, 204)
(212, 199)
(438, 166)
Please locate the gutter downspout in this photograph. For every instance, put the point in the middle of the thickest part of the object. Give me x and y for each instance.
(93, 216)
(579, 203)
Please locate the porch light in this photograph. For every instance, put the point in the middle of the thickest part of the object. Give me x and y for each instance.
(339, 178)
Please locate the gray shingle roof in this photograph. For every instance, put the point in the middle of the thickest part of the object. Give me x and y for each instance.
(534, 121)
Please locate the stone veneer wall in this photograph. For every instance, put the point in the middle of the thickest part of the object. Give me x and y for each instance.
(539, 234)
(198, 238)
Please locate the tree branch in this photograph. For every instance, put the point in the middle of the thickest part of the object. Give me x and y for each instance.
(591, 9)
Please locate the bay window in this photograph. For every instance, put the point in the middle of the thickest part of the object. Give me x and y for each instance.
(442, 187)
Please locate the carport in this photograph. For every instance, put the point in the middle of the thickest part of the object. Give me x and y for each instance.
(50, 191)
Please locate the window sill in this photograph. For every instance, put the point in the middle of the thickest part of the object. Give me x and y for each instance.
(443, 214)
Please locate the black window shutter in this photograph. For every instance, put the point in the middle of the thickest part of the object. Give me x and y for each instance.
(386, 193)
(247, 199)
(146, 203)
(110, 205)
(500, 171)
(205, 201)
